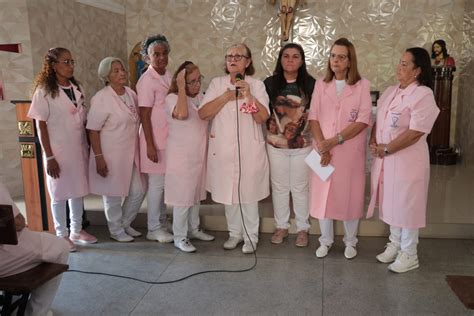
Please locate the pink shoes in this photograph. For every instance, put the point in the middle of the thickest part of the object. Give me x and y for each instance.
(83, 237)
(279, 235)
(72, 247)
(302, 239)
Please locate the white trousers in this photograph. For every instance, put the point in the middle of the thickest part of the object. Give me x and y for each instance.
(327, 232)
(120, 216)
(185, 219)
(289, 173)
(76, 208)
(405, 239)
(156, 202)
(235, 224)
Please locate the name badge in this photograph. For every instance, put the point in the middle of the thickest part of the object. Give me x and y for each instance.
(394, 118)
(353, 115)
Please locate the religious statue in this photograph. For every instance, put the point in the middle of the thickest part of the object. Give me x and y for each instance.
(287, 14)
(440, 55)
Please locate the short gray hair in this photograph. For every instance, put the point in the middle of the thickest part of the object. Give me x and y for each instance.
(105, 66)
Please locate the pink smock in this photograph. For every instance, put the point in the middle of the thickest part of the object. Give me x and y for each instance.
(223, 154)
(118, 126)
(185, 181)
(341, 197)
(32, 248)
(152, 89)
(399, 182)
(67, 137)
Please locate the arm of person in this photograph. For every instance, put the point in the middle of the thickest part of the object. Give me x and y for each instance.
(52, 166)
(101, 165)
(20, 222)
(180, 111)
(210, 109)
(404, 140)
(145, 118)
(351, 131)
(317, 134)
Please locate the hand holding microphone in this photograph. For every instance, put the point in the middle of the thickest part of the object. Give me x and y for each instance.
(242, 88)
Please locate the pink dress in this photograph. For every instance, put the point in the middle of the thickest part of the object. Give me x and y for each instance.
(185, 181)
(341, 197)
(223, 154)
(68, 141)
(152, 89)
(400, 181)
(118, 126)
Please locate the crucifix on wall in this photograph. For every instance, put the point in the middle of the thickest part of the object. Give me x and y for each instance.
(11, 48)
(287, 15)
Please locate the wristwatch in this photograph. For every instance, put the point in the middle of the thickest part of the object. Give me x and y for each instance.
(385, 151)
(340, 139)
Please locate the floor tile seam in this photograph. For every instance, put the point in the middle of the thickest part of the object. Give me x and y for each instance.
(166, 268)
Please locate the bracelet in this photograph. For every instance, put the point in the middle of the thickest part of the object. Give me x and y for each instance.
(385, 151)
(340, 139)
(98, 155)
(50, 158)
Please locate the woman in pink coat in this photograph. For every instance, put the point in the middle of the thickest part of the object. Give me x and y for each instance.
(185, 182)
(152, 88)
(401, 169)
(339, 115)
(60, 113)
(114, 173)
(237, 163)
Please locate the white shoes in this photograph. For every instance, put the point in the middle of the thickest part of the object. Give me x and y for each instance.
(200, 235)
(322, 251)
(122, 237)
(404, 262)
(160, 235)
(390, 253)
(132, 232)
(184, 245)
(232, 243)
(350, 252)
(247, 247)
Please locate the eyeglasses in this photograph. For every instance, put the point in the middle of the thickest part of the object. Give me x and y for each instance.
(196, 82)
(69, 62)
(235, 57)
(338, 57)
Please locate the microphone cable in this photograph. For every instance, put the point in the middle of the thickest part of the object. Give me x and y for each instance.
(204, 271)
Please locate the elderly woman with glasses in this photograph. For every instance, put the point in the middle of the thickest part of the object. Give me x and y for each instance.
(237, 165)
(185, 183)
(339, 116)
(60, 112)
(113, 124)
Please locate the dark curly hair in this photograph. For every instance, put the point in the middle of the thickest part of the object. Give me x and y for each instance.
(46, 78)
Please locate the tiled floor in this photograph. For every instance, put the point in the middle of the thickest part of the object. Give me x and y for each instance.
(286, 280)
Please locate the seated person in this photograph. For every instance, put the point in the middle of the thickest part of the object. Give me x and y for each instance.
(32, 249)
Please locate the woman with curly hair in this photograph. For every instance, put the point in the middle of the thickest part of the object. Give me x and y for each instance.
(60, 112)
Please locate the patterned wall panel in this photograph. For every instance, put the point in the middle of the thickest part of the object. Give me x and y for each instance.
(16, 72)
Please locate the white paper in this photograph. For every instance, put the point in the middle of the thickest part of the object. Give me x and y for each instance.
(313, 160)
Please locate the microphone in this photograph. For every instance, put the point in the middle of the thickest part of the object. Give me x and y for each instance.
(238, 77)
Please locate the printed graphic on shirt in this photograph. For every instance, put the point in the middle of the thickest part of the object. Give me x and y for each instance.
(287, 126)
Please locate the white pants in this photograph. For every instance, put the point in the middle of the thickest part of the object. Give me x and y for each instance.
(32, 249)
(327, 232)
(156, 202)
(251, 219)
(289, 173)
(405, 239)
(185, 219)
(76, 208)
(120, 216)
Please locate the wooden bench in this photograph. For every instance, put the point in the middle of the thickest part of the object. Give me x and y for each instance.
(22, 284)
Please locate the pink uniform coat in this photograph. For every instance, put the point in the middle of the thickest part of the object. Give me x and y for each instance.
(341, 197)
(185, 181)
(223, 155)
(68, 141)
(400, 181)
(32, 249)
(152, 89)
(118, 126)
